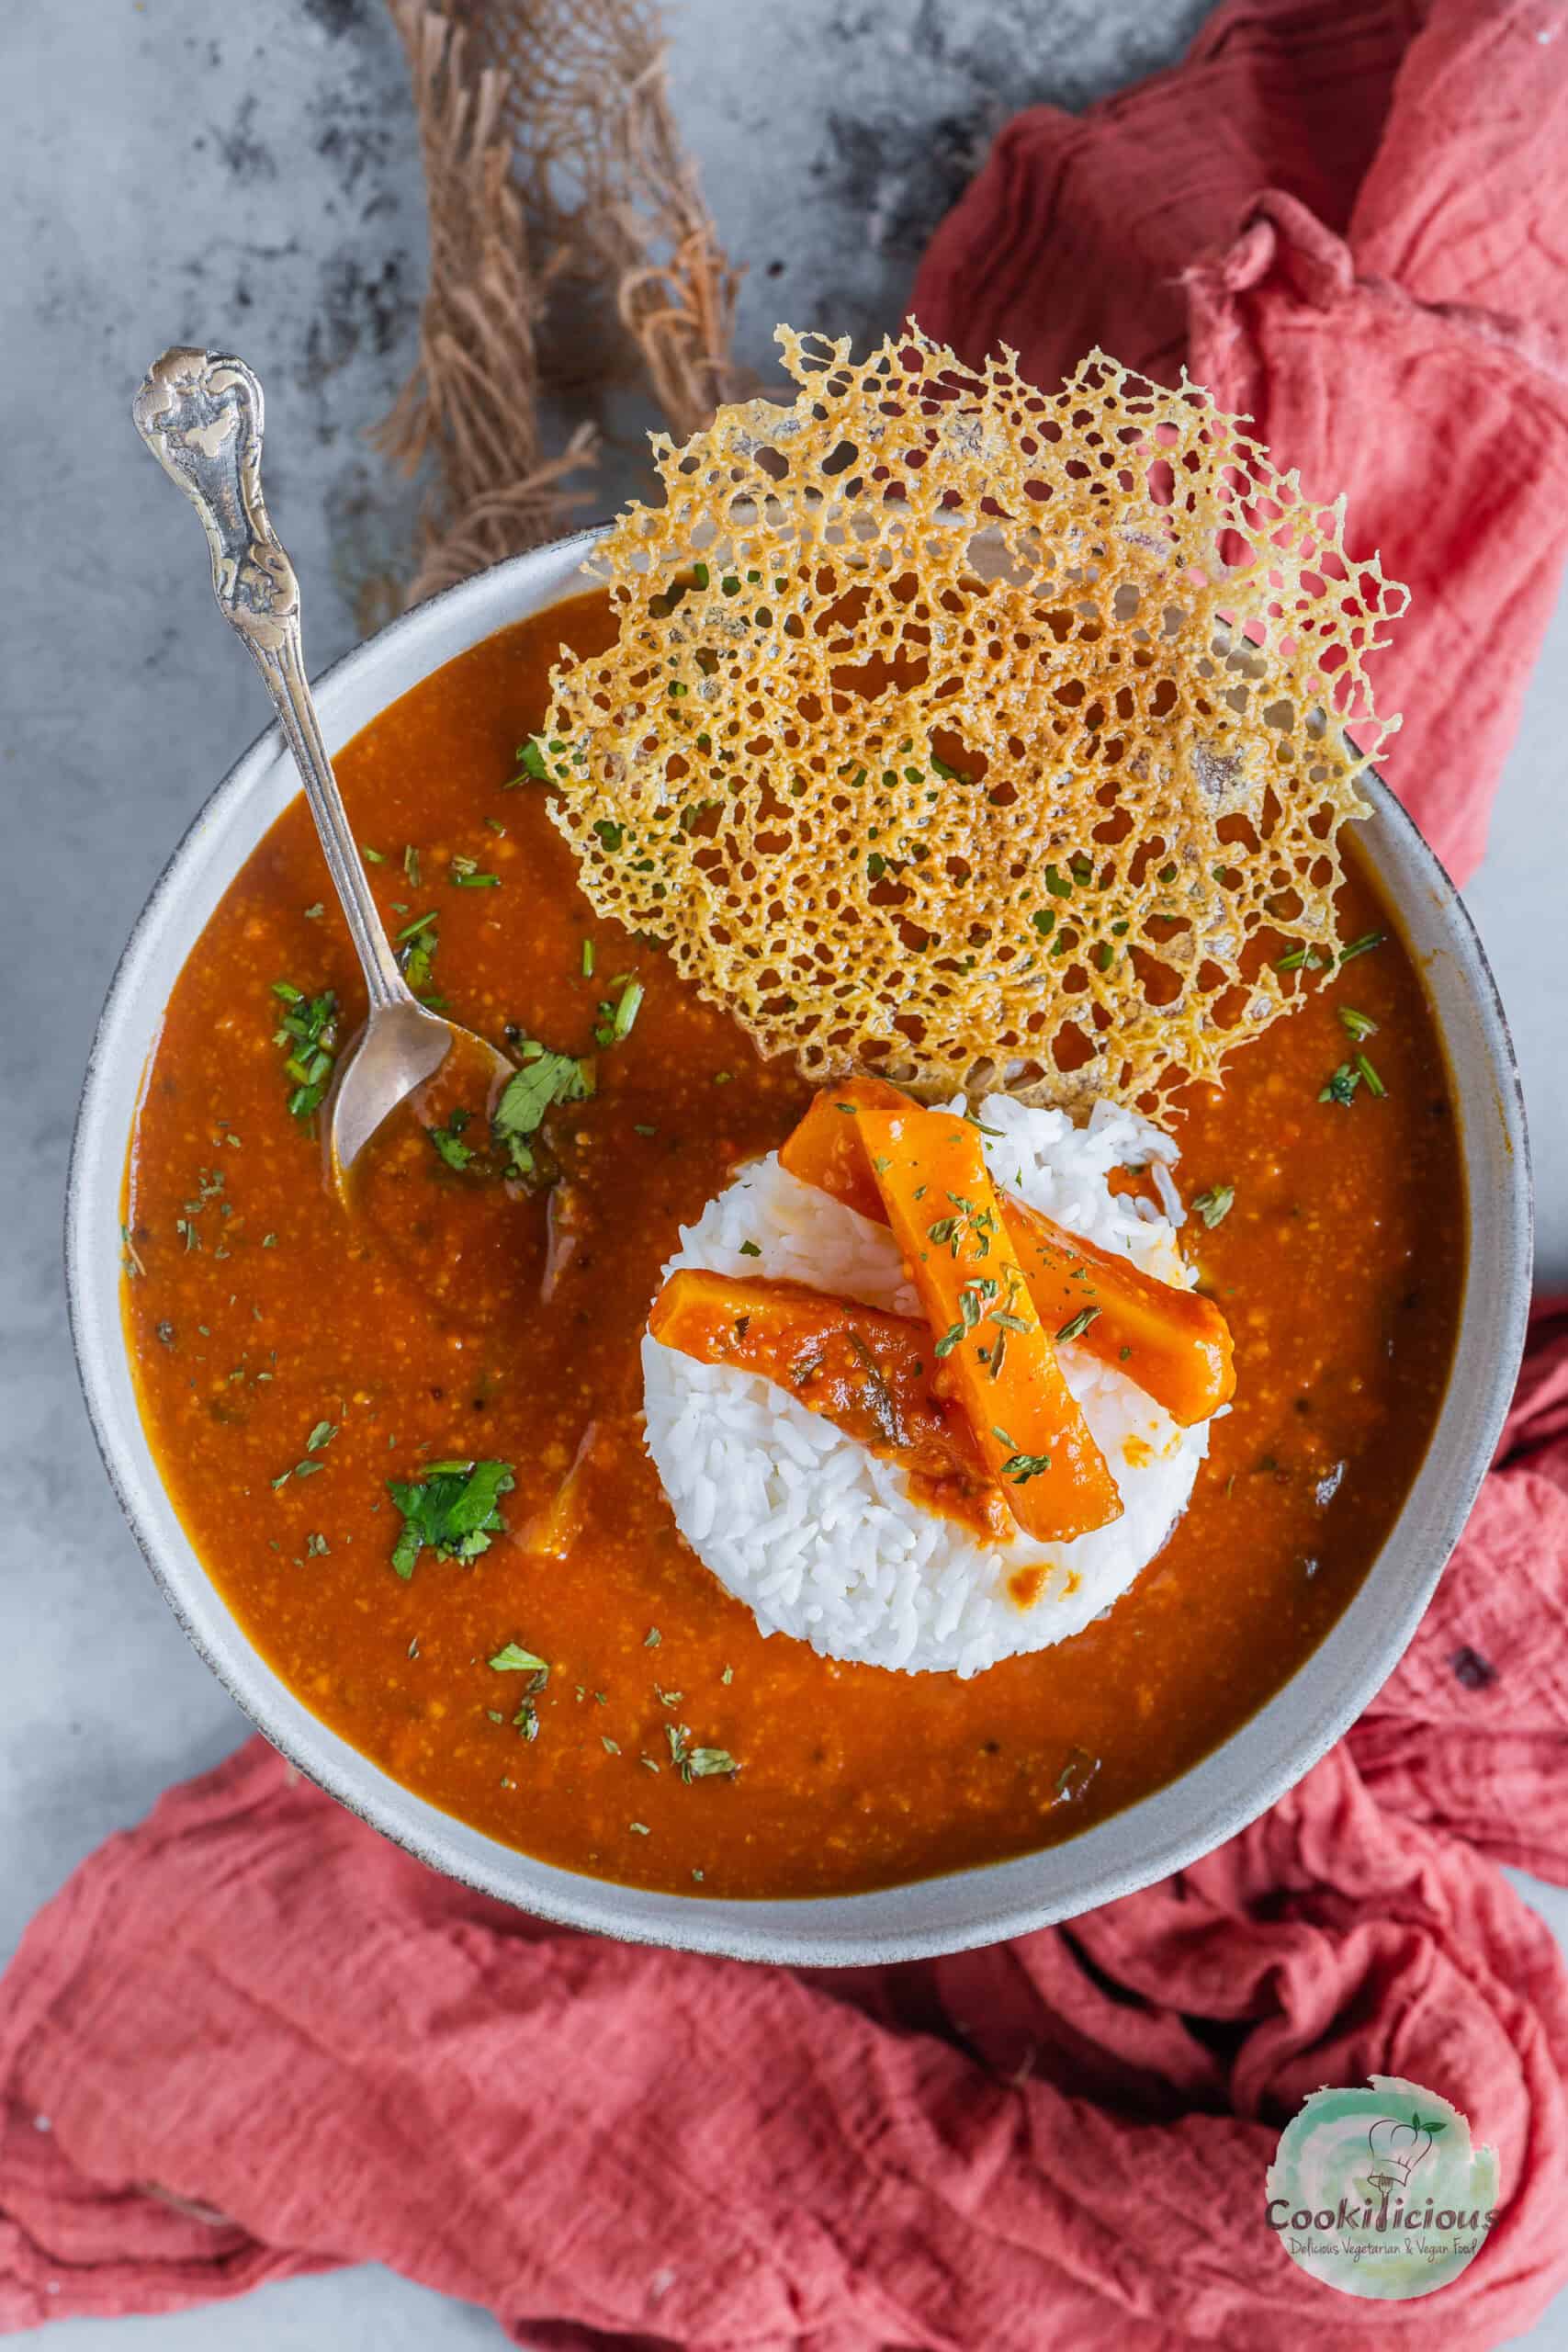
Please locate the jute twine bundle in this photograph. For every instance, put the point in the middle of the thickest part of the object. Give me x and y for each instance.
(556, 179)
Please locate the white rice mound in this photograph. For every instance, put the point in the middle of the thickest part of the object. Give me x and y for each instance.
(820, 1537)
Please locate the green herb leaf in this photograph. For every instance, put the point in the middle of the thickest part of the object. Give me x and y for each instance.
(1341, 1085)
(416, 945)
(1356, 1024)
(448, 1142)
(1074, 1327)
(544, 1080)
(453, 1508)
(697, 1763)
(615, 1019)
(1362, 946)
(307, 1034)
(1214, 1205)
(513, 1658)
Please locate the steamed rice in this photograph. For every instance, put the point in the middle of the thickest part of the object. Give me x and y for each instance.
(821, 1537)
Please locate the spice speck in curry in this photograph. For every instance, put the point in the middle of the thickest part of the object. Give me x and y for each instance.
(953, 1295)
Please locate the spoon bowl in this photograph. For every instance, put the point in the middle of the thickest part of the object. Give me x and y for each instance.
(201, 415)
(396, 1050)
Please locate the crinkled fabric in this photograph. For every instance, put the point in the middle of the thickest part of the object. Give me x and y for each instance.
(1349, 219)
(251, 2038)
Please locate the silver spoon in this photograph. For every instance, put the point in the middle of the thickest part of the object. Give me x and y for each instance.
(200, 414)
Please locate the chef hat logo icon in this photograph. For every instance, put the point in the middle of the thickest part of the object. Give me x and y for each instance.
(1404, 2225)
(1399, 2143)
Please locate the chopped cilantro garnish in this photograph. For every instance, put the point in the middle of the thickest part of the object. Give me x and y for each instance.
(615, 1017)
(453, 1508)
(416, 947)
(448, 1140)
(1341, 1085)
(544, 1080)
(749, 1249)
(1214, 1205)
(306, 1031)
(322, 1434)
(531, 764)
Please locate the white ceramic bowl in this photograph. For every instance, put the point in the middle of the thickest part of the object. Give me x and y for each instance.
(1195, 1812)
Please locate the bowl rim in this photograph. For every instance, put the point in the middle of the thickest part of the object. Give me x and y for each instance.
(793, 1930)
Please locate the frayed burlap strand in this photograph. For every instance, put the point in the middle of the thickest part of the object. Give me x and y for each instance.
(471, 401)
(604, 172)
(554, 167)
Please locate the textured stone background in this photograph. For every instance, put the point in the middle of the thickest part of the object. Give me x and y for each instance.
(179, 171)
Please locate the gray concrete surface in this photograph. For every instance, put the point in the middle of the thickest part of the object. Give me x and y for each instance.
(178, 171)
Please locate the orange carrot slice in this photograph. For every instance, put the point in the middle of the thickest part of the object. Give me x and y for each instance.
(1174, 1344)
(828, 1149)
(947, 1222)
(869, 1373)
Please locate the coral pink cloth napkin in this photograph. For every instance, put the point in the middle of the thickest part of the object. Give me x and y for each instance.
(1349, 218)
(249, 2039)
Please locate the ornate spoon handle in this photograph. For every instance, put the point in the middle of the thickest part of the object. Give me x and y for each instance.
(200, 414)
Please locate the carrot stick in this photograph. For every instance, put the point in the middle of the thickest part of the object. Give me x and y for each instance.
(828, 1149)
(1174, 1344)
(947, 1222)
(869, 1373)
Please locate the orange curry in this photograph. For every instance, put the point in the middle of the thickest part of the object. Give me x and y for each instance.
(298, 1362)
